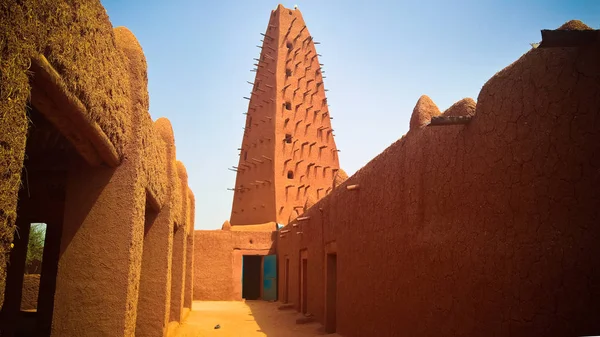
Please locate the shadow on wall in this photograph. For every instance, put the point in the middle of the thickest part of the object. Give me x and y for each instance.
(89, 194)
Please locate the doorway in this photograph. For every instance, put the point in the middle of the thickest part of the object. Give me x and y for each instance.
(31, 274)
(286, 294)
(251, 267)
(331, 294)
(154, 259)
(270, 278)
(303, 282)
(177, 272)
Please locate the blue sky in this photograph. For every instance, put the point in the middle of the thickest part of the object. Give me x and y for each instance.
(379, 58)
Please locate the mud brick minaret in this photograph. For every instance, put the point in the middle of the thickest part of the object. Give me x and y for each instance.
(288, 157)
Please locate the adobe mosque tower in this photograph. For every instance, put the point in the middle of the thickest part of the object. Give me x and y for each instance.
(288, 158)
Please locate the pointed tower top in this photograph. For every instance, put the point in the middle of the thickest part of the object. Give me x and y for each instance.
(281, 9)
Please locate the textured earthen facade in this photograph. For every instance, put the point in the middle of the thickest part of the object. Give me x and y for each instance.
(480, 220)
(288, 157)
(484, 228)
(218, 261)
(97, 170)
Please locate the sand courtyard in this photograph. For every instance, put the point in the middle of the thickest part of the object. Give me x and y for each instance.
(248, 318)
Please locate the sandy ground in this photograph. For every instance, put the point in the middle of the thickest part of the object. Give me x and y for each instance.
(247, 319)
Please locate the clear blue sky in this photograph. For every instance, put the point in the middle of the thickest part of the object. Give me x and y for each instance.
(379, 57)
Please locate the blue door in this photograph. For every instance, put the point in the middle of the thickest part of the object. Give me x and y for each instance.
(270, 278)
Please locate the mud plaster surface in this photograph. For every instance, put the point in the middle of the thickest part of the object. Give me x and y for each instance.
(276, 178)
(490, 226)
(218, 264)
(105, 206)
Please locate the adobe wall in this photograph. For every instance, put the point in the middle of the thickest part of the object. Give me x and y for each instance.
(103, 72)
(312, 155)
(84, 53)
(189, 273)
(253, 200)
(218, 261)
(486, 227)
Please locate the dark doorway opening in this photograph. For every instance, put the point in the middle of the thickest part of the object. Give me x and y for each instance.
(304, 286)
(177, 272)
(31, 274)
(286, 296)
(151, 253)
(331, 294)
(251, 265)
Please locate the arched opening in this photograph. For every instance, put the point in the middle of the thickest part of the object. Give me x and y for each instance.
(290, 174)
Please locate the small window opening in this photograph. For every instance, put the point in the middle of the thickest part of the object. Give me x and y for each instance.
(288, 105)
(33, 266)
(245, 155)
(288, 138)
(290, 174)
(290, 45)
(288, 72)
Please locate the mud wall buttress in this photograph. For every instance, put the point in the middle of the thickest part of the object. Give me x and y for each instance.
(104, 208)
(155, 282)
(104, 211)
(189, 273)
(103, 96)
(104, 72)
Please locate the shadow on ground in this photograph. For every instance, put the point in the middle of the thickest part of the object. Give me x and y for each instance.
(275, 323)
(248, 319)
